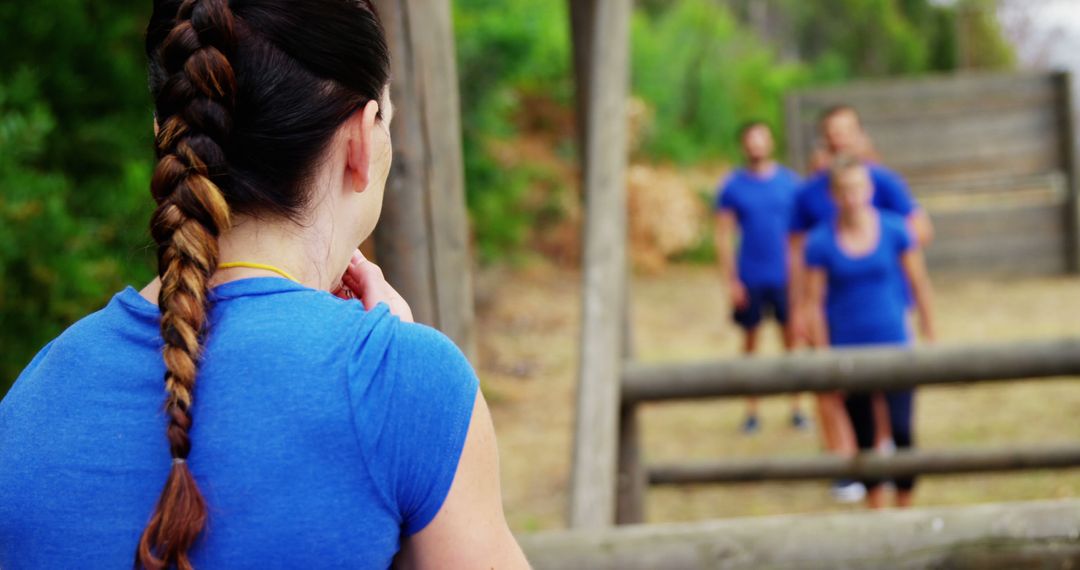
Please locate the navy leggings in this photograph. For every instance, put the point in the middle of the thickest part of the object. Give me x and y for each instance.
(901, 406)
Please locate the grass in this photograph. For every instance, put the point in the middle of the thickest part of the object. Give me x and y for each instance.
(529, 336)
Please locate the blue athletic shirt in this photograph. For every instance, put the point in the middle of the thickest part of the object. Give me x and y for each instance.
(862, 306)
(814, 203)
(762, 207)
(322, 434)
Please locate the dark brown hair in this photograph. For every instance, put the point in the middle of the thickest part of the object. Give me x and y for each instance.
(247, 95)
(745, 128)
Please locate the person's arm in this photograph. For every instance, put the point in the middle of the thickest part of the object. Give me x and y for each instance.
(470, 530)
(920, 226)
(797, 283)
(915, 270)
(818, 325)
(896, 196)
(725, 253)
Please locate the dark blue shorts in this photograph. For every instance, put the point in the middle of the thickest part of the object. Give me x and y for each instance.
(761, 300)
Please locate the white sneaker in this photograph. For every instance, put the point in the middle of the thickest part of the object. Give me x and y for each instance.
(846, 491)
(887, 447)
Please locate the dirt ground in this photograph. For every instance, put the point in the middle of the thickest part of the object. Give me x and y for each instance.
(528, 350)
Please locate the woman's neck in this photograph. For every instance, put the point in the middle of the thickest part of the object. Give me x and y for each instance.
(857, 219)
(300, 250)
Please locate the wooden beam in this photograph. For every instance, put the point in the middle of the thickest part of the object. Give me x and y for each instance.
(422, 241)
(630, 504)
(593, 479)
(1070, 129)
(1019, 535)
(868, 466)
(866, 369)
(582, 20)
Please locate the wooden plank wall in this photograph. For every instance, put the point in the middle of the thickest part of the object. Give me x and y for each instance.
(988, 156)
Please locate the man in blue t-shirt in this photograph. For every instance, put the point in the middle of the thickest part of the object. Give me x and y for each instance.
(755, 201)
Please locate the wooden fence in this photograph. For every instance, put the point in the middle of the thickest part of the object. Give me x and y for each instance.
(985, 537)
(992, 158)
(845, 370)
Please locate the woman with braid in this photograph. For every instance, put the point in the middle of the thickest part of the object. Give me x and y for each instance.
(234, 413)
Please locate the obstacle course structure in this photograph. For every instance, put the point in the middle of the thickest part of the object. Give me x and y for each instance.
(422, 244)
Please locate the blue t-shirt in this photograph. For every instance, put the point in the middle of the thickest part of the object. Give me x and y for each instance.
(861, 305)
(762, 207)
(814, 204)
(322, 434)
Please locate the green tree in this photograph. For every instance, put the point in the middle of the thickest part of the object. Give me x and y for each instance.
(75, 159)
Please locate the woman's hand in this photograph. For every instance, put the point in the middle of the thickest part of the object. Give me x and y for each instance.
(364, 280)
(926, 328)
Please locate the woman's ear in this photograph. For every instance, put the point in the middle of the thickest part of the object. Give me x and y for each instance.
(360, 145)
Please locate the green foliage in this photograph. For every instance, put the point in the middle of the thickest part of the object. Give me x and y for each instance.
(704, 75)
(74, 166)
(507, 50)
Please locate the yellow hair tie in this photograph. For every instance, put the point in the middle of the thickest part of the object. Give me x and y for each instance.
(263, 266)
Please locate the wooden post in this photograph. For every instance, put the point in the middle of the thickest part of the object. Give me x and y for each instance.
(1041, 534)
(797, 148)
(593, 480)
(422, 242)
(1070, 129)
(582, 19)
(630, 505)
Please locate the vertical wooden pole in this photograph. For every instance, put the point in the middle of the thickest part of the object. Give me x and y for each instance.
(1069, 133)
(582, 18)
(422, 242)
(593, 480)
(798, 150)
(630, 504)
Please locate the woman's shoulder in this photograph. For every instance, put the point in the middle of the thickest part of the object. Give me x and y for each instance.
(428, 361)
(892, 222)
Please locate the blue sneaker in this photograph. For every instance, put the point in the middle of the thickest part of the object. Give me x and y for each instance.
(799, 421)
(750, 425)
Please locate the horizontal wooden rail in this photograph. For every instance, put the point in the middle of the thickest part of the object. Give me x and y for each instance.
(1019, 535)
(868, 466)
(865, 369)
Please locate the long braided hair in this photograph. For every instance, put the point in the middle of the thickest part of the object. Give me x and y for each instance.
(247, 97)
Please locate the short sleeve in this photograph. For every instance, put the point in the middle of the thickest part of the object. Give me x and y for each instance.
(428, 418)
(817, 249)
(891, 193)
(802, 215)
(899, 232)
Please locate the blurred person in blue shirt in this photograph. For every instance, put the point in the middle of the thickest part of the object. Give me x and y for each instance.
(852, 264)
(754, 204)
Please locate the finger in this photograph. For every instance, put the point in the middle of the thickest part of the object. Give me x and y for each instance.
(367, 280)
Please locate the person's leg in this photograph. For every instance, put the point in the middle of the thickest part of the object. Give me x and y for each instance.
(860, 409)
(882, 424)
(748, 317)
(750, 342)
(779, 301)
(901, 404)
